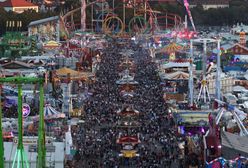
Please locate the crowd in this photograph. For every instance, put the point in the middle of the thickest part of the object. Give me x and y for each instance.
(96, 142)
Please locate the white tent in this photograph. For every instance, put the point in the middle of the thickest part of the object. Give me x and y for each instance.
(239, 88)
(50, 112)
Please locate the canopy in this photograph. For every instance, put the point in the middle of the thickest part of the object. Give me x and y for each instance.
(171, 48)
(52, 44)
(64, 71)
(50, 112)
(176, 65)
(178, 75)
(128, 140)
(128, 111)
(129, 153)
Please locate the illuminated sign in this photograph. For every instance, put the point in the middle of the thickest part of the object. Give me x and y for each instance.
(25, 110)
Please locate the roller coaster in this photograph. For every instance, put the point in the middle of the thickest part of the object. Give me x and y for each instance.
(104, 18)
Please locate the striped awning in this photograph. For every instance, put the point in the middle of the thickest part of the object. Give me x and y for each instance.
(50, 112)
(171, 48)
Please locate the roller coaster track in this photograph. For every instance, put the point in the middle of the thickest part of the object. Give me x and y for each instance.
(169, 16)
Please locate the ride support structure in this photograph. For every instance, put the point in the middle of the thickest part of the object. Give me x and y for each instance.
(238, 115)
(83, 15)
(104, 20)
(211, 139)
(186, 4)
(20, 159)
(204, 94)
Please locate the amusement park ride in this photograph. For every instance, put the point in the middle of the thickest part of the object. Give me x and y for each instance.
(212, 138)
(104, 19)
(203, 93)
(20, 159)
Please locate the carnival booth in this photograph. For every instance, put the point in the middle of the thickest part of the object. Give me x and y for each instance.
(127, 90)
(128, 111)
(128, 146)
(128, 139)
(176, 84)
(53, 120)
(127, 63)
(127, 78)
(51, 45)
(64, 73)
(171, 49)
(128, 117)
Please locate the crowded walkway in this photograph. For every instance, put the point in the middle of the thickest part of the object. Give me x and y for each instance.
(96, 142)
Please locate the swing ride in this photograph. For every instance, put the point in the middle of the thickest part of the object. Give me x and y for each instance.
(20, 159)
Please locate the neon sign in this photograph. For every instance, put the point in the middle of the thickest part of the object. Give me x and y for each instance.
(25, 110)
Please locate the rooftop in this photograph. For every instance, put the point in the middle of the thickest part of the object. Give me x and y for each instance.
(235, 142)
(41, 21)
(15, 3)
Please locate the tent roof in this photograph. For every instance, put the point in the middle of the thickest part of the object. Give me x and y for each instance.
(74, 74)
(49, 110)
(16, 3)
(172, 47)
(17, 63)
(238, 88)
(235, 142)
(64, 71)
(52, 44)
(178, 75)
(176, 64)
(37, 22)
(231, 96)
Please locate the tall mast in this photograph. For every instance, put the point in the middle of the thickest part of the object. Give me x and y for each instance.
(83, 15)
(1, 132)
